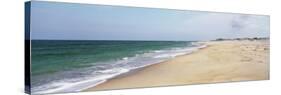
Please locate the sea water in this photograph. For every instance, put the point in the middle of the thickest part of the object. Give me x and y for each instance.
(74, 65)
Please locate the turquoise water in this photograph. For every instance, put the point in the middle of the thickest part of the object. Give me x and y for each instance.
(57, 64)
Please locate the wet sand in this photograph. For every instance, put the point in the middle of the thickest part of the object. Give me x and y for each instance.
(220, 61)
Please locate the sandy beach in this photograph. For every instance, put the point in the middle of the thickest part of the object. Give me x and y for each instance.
(220, 61)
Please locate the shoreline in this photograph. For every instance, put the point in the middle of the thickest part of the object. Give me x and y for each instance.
(203, 45)
(133, 71)
(124, 67)
(134, 79)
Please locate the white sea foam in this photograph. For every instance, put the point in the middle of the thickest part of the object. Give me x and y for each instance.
(125, 58)
(64, 86)
(115, 68)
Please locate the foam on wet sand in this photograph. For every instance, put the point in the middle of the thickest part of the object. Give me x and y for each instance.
(220, 61)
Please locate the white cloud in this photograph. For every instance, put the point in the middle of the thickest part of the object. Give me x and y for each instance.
(219, 25)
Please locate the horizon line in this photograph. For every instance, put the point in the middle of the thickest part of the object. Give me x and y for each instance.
(140, 40)
(108, 40)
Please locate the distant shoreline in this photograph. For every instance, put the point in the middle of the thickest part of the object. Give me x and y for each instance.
(240, 39)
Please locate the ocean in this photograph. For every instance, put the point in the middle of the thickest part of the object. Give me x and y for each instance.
(74, 65)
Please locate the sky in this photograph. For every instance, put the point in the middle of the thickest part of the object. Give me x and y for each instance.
(68, 21)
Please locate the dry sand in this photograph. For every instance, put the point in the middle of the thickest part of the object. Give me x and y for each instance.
(221, 61)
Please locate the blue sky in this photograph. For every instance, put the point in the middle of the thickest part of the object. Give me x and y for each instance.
(67, 21)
